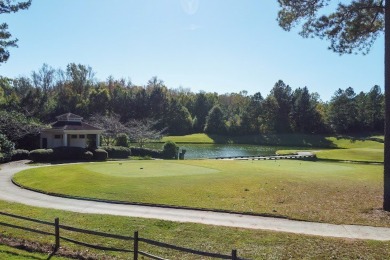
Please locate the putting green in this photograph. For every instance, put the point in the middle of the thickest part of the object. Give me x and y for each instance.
(147, 169)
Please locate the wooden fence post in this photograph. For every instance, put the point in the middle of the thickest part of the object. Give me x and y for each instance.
(57, 233)
(135, 245)
(234, 254)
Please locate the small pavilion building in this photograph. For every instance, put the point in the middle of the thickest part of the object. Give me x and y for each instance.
(70, 130)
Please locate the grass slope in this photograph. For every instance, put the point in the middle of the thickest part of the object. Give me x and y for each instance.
(251, 244)
(297, 140)
(315, 191)
(349, 149)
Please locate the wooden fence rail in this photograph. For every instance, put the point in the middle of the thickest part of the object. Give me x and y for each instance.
(136, 239)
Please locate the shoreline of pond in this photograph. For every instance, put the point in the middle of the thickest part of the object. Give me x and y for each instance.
(208, 150)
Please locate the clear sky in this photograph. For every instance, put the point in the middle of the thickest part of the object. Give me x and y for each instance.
(212, 45)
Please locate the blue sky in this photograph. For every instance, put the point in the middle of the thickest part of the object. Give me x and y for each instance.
(212, 45)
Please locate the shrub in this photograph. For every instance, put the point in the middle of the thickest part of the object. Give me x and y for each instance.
(100, 155)
(143, 152)
(122, 140)
(41, 155)
(170, 150)
(117, 151)
(68, 153)
(88, 155)
(19, 154)
(6, 148)
(2, 159)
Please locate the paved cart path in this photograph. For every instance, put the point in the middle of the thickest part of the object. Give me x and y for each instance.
(10, 192)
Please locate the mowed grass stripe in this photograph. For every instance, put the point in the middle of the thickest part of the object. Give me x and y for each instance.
(315, 191)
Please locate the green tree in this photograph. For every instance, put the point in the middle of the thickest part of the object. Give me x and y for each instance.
(44, 78)
(203, 103)
(269, 117)
(233, 104)
(352, 27)
(375, 109)
(361, 105)
(6, 148)
(170, 150)
(159, 102)
(9, 99)
(185, 97)
(343, 111)
(6, 42)
(370, 114)
(122, 140)
(251, 117)
(33, 101)
(15, 125)
(283, 96)
(99, 100)
(179, 119)
(141, 104)
(215, 121)
(74, 88)
(81, 78)
(304, 115)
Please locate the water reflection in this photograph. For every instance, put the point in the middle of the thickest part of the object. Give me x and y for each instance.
(200, 151)
(224, 150)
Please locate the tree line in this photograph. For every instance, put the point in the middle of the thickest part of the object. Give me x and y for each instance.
(47, 93)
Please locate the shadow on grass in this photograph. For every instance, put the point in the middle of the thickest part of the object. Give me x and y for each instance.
(298, 140)
(361, 137)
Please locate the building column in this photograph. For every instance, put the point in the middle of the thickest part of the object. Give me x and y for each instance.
(97, 140)
(65, 140)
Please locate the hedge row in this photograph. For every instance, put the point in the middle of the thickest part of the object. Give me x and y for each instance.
(66, 153)
(144, 152)
(170, 151)
(117, 151)
(15, 155)
(19, 154)
(77, 153)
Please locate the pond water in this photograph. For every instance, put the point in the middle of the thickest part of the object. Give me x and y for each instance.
(200, 151)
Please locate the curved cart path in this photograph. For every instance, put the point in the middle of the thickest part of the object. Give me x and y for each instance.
(10, 192)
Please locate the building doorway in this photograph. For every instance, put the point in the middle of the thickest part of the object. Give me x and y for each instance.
(44, 143)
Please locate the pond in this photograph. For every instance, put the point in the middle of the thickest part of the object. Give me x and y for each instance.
(201, 151)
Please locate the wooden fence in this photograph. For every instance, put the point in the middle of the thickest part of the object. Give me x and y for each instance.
(135, 251)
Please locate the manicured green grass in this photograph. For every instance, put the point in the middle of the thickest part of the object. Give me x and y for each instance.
(193, 138)
(316, 191)
(356, 154)
(251, 244)
(349, 150)
(353, 143)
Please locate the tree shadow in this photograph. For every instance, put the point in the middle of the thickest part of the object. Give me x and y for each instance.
(361, 137)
